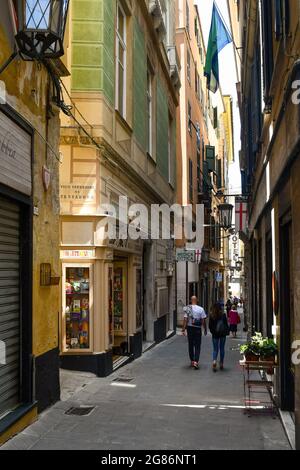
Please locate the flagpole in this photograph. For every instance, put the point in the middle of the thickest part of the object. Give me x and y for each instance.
(228, 30)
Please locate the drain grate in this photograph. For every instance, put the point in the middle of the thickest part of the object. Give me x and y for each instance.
(125, 380)
(80, 411)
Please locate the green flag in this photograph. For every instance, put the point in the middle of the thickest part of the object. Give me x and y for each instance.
(219, 37)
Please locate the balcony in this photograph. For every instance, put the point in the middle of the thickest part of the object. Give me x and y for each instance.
(174, 66)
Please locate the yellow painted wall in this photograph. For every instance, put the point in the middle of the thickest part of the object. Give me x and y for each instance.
(28, 419)
(27, 87)
(228, 127)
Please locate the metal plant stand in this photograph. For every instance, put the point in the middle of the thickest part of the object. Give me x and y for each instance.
(258, 387)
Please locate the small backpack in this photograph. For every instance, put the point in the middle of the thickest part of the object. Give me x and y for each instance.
(221, 328)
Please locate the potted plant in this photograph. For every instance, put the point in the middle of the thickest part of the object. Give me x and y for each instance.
(250, 351)
(268, 350)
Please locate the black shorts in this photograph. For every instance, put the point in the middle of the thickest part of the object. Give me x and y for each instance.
(233, 328)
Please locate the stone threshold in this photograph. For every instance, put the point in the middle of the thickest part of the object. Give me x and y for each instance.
(289, 427)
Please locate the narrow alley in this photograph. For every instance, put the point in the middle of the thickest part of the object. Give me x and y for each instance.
(159, 403)
(149, 189)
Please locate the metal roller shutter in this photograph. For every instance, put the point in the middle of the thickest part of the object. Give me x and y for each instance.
(9, 303)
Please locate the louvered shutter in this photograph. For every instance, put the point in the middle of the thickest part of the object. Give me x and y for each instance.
(9, 304)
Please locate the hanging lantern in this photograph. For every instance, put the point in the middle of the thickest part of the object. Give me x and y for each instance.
(225, 213)
(40, 28)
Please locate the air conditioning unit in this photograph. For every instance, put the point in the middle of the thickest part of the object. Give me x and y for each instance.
(174, 66)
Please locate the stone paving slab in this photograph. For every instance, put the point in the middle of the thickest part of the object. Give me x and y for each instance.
(167, 406)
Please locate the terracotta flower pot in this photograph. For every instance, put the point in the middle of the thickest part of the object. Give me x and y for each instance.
(250, 357)
(270, 359)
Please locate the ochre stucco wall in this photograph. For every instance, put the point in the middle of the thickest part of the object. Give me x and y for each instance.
(27, 87)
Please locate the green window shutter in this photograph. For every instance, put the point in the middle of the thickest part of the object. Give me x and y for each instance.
(93, 51)
(215, 116)
(140, 86)
(162, 131)
(206, 178)
(219, 174)
(173, 162)
(211, 157)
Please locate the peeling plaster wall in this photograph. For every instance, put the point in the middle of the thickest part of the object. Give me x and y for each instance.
(27, 91)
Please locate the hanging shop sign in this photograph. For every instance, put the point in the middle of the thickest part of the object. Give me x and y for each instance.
(15, 156)
(236, 280)
(77, 254)
(186, 256)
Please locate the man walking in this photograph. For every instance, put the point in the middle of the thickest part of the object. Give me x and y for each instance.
(194, 321)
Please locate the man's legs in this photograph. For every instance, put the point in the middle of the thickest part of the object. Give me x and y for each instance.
(190, 334)
(198, 339)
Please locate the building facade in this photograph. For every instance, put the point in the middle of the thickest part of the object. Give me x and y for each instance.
(201, 162)
(29, 238)
(118, 295)
(270, 164)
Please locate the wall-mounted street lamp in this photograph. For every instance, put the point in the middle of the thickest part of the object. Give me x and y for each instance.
(225, 214)
(39, 27)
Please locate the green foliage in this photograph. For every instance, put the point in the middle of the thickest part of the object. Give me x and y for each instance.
(260, 346)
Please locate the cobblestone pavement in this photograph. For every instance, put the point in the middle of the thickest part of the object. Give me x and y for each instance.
(160, 404)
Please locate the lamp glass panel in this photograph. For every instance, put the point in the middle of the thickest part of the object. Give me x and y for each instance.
(37, 14)
(56, 19)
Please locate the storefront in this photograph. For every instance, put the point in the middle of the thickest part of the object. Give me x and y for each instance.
(101, 308)
(15, 268)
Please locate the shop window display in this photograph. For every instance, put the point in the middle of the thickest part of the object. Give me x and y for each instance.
(77, 292)
(110, 307)
(118, 300)
(139, 321)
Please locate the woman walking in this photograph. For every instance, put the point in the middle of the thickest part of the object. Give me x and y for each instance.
(219, 329)
(234, 320)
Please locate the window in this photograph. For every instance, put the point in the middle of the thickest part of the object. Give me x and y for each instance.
(139, 299)
(170, 152)
(215, 118)
(189, 66)
(212, 233)
(150, 111)
(189, 117)
(211, 158)
(199, 179)
(168, 24)
(267, 46)
(121, 62)
(282, 18)
(219, 173)
(77, 306)
(187, 17)
(191, 186)
(197, 83)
